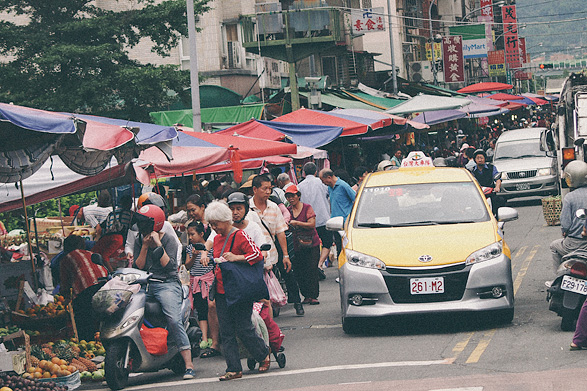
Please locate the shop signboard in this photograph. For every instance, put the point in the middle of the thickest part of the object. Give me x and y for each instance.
(510, 36)
(437, 51)
(474, 39)
(522, 42)
(368, 20)
(486, 11)
(496, 59)
(452, 50)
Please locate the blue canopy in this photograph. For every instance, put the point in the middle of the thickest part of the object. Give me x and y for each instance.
(183, 140)
(37, 120)
(312, 136)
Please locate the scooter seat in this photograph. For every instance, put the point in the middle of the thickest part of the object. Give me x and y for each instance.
(154, 314)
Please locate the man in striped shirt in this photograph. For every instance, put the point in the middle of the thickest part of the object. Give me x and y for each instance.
(80, 276)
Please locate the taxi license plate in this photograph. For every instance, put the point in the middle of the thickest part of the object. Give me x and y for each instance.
(523, 186)
(425, 286)
(574, 285)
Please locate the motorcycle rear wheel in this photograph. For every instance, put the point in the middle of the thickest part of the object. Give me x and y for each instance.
(114, 372)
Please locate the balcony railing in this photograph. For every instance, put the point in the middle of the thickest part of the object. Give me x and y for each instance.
(272, 30)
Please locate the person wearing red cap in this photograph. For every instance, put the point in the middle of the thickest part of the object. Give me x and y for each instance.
(306, 245)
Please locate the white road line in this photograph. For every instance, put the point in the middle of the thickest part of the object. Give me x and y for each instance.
(460, 389)
(277, 372)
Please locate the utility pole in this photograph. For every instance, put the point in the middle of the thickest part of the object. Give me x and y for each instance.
(194, 82)
(393, 71)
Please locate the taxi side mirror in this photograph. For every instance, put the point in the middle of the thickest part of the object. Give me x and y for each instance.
(335, 223)
(506, 214)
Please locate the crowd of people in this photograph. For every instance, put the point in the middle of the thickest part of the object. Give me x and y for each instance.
(232, 223)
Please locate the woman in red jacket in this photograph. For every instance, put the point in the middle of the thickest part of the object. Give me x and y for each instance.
(234, 245)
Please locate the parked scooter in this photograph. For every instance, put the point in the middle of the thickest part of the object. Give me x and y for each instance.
(568, 291)
(125, 350)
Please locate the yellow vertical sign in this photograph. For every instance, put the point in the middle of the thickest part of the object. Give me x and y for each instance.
(437, 51)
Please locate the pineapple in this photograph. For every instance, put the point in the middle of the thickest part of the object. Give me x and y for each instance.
(40, 353)
(63, 351)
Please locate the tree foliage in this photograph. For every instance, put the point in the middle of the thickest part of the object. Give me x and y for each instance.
(70, 55)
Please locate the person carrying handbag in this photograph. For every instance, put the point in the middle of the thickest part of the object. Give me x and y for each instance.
(232, 245)
(306, 245)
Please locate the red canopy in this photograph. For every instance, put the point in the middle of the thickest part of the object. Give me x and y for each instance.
(246, 164)
(220, 148)
(513, 106)
(314, 117)
(253, 129)
(502, 96)
(484, 87)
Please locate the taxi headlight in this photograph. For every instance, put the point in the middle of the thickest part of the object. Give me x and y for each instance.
(363, 260)
(545, 172)
(485, 254)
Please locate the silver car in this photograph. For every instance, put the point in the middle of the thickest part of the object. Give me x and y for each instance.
(526, 169)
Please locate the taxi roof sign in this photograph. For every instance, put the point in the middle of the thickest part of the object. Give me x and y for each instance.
(417, 159)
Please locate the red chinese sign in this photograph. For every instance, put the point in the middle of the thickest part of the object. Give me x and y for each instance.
(486, 8)
(522, 42)
(367, 20)
(452, 50)
(510, 36)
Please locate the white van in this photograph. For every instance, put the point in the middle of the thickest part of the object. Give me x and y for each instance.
(526, 168)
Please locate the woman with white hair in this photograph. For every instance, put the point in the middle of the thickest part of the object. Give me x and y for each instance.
(234, 245)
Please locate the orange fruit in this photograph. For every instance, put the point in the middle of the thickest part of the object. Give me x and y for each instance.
(38, 370)
(42, 364)
(53, 376)
(55, 360)
(46, 375)
(66, 373)
(38, 375)
(71, 368)
(62, 362)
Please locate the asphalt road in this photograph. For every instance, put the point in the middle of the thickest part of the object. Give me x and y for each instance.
(456, 352)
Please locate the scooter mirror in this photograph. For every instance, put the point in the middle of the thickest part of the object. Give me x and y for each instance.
(497, 176)
(581, 214)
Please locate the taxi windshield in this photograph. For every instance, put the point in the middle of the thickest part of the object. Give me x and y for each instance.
(420, 204)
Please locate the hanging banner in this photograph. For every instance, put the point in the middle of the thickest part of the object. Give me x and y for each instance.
(486, 9)
(452, 49)
(437, 51)
(474, 39)
(369, 20)
(510, 36)
(522, 42)
(496, 60)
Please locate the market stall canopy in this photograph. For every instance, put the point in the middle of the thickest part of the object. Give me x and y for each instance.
(440, 116)
(476, 110)
(30, 136)
(511, 106)
(485, 87)
(194, 150)
(249, 164)
(301, 134)
(421, 103)
(502, 96)
(340, 100)
(487, 101)
(379, 102)
(537, 101)
(54, 179)
(227, 115)
(315, 117)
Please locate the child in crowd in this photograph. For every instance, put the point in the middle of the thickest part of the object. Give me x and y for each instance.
(201, 278)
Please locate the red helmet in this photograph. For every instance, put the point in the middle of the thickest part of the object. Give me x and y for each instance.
(156, 218)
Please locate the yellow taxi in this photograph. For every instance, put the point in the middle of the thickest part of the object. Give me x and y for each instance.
(422, 239)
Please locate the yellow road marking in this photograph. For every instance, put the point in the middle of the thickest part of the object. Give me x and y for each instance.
(481, 346)
(524, 268)
(460, 346)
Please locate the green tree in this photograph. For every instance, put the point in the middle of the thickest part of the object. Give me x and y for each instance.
(70, 55)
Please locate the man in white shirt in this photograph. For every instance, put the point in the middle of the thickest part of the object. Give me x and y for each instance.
(315, 193)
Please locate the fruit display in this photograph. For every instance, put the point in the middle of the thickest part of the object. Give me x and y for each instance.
(62, 358)
(4, 331)
(16, 383)
(51, 310)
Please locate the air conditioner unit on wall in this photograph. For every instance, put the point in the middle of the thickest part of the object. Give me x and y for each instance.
(421, 71)
(234, 54)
